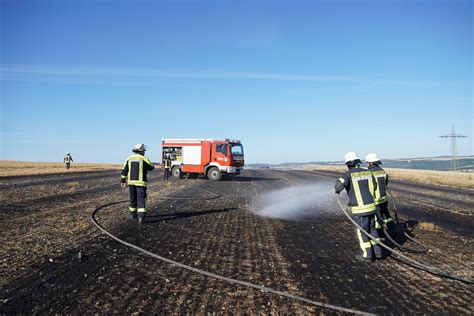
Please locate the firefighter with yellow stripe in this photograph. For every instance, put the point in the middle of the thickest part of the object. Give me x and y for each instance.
(360, 186)
(134, 173)
(166, 166)
(67, 160)
(380, 196)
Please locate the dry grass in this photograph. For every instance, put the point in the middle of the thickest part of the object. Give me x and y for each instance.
(457, 179)
(23, 168)
(71, 187)
(427, 226)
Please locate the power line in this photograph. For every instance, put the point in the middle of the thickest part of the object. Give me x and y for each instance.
(454, 147)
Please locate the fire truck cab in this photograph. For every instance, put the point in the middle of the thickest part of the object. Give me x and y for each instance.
(211, 157)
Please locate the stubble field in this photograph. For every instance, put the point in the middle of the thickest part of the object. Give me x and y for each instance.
(55, 261)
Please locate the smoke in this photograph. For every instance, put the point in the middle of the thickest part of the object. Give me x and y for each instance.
(296, 202)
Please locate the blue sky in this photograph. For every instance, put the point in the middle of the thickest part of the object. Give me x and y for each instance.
(294, 80)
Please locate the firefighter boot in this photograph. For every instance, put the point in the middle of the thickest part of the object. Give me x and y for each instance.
(133, 215)
(363, 259)
(141, 217)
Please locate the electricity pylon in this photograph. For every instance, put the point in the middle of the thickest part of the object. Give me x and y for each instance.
(454, 147)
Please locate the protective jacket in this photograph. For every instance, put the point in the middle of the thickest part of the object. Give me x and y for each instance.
(135, 169)
(67, 158)
(167, 163)
(381, 178)
(360, 186)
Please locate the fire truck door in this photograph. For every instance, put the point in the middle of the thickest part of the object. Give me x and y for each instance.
(220, 152)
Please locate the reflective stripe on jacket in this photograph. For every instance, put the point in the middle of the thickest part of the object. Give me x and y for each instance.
(360, 186)
(381, 177)
(135, 170)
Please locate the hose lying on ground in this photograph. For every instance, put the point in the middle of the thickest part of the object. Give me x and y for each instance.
(395, 211)
(410, 261)
(216, 276)
(401, 247)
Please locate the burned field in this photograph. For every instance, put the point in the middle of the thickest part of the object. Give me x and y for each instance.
(53, 260)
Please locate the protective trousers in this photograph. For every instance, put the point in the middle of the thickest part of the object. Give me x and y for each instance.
(384, 216)
(367, 245)
(138, 200)
(166, 174)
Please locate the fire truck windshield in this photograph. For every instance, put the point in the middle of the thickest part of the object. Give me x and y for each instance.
(237, 150)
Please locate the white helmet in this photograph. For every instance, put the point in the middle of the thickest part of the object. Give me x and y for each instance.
(139, 147)
(372, 158)
(350, 156)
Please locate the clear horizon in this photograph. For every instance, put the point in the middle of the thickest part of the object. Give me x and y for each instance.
(261, 162)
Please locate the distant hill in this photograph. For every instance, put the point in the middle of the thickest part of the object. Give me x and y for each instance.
(440, 163)
(443, 163)
(259, 166)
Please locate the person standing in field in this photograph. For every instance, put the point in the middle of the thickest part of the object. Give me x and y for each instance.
(134, 173)
(67, 160)
(167, 166)
(380, 197)
(360, 186)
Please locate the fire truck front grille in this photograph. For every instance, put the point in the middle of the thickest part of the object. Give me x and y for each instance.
(238, 163)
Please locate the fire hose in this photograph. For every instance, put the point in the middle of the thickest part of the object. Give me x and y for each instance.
(399, 246)
(217, 276)
(409, 261)
(395, 211)
(423, 248)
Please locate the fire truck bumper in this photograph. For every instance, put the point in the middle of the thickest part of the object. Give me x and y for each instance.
(231, 169)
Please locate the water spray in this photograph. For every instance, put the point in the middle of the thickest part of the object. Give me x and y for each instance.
(294, 202)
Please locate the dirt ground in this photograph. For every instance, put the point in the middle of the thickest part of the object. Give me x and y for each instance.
(53, 260)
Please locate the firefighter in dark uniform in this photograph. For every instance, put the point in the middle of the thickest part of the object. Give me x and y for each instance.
(380, 196)
(360, 186)
(167, 166)
(67, 160)
(134, 173)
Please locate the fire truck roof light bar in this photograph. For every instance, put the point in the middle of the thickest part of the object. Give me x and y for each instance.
(191, 141)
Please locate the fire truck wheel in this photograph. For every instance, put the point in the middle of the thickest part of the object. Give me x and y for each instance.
(176, 172)
(214, 174)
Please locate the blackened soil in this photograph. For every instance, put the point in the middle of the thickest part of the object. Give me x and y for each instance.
(55, 261)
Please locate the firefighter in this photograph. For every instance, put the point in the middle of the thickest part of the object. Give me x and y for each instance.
(67, 160)
(380, 197)
(167, 166)
(134, 173)
(360, 186)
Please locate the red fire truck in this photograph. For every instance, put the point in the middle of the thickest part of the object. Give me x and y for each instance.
(211, 157)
